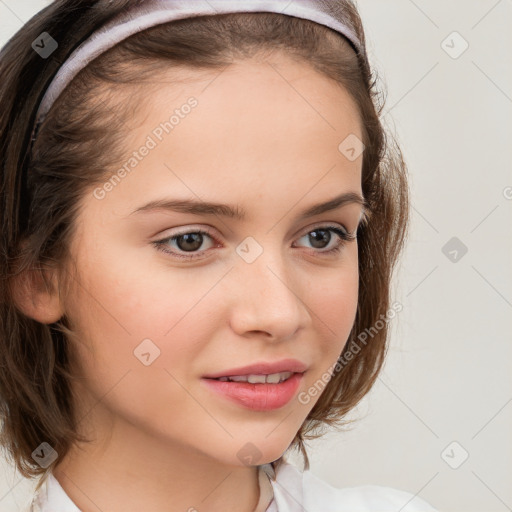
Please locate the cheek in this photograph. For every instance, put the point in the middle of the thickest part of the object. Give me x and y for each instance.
(117, 305)
(333, 305)
(123, 292)
(122, 314)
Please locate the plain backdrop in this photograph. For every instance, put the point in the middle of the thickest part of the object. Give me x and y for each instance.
(438, 421)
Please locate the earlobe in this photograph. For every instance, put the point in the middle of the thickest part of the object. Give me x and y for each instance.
(36, 297)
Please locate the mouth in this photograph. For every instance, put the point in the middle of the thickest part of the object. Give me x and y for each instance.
(281, 369)
(257, 392)
(272, 378)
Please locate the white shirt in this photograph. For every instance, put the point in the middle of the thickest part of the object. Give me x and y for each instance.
(287, 490)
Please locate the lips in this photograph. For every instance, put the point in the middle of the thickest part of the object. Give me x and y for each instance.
(262, 368)
(256, 397)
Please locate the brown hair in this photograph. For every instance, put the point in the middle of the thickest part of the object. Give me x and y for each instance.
(81, 139)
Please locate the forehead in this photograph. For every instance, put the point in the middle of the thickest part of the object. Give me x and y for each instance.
(263, 92)
(259, 128)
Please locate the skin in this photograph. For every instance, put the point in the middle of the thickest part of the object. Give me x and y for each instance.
(265, 137)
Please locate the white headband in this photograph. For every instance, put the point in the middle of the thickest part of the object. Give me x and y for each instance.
(155, 12)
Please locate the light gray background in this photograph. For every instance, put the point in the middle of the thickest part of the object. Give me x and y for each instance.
(447, 377)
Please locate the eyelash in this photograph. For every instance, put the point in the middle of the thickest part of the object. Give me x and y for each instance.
(343, 235)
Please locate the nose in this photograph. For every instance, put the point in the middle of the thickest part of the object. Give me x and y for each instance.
(267, 297)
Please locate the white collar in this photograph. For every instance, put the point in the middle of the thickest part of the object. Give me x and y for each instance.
(286, 490)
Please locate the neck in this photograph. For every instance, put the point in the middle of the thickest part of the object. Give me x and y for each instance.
(129, 470)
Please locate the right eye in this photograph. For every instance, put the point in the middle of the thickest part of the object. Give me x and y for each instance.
(187, 240)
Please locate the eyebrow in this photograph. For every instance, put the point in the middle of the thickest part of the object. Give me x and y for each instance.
(236, 212)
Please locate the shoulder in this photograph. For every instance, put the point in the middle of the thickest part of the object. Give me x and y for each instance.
(318, 495)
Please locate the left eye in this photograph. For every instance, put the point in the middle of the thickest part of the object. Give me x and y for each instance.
(190, 241)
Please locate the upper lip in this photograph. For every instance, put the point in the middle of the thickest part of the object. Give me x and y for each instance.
(262, 368)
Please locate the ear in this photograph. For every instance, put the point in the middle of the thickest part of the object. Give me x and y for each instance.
(36, 297)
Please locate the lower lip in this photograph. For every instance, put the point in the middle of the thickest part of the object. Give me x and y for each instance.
(258, 397)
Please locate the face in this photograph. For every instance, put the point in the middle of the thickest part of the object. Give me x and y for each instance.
(219, 292)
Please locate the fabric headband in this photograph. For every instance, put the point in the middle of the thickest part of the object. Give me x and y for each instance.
(155, 12)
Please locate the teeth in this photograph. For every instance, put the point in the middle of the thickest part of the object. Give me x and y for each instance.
(273, 378)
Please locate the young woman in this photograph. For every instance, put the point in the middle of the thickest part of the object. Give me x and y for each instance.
(201, 213)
